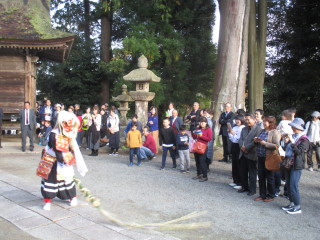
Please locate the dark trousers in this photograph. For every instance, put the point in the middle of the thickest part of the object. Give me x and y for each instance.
(79, 138)
(292, 183)
(313, 147)
(236, 163)
(164, 156)
(226, 147)
(277, 181)
(201, 164)
(135, 151)
(85, 134)
(266, 179)
(248, 170)
(27, 131)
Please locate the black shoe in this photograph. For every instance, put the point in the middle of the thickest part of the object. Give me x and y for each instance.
(197, 177)
(251, 193)
(31, 149)
(23, 150)
(242, 190)
(203, 179)
(222, 160)
(174, 166)
(92, 153)
(96, 152)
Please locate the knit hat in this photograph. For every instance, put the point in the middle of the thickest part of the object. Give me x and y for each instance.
(315, 114)
(297, 123)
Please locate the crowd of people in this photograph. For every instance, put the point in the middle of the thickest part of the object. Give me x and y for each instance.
(247, 139)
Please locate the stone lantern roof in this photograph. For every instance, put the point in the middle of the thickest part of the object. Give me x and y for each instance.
(142, 74)
(25, 26)
(124, 97)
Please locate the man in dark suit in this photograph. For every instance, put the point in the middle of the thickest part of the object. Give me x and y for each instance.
(194, 117)
(28, 124)
(248, 157)
(47, 112)
(1, 117)
(175, 122)
(225, 119)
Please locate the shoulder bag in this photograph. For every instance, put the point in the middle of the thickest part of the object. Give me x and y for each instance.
(273, 160)
(199, 147)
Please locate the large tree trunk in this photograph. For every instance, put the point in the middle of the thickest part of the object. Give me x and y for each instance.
(257, 52)
(87, 32)
(105, 50)
(231, 68)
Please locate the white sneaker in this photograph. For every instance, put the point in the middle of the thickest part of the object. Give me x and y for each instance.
(237, 187)
(74, 202)
(47, 207)
(310, 169)
(232, 184)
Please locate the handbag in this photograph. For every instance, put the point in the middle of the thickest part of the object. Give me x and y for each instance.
(199, 147)
(287, 163)
(45, 165)
(273, 160)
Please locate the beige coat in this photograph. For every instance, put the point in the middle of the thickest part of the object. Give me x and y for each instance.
(273, 141)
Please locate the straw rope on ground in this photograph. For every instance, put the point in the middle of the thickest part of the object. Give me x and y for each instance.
(169, 225)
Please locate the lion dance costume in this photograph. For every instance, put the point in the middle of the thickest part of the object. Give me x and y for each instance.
(59, 155)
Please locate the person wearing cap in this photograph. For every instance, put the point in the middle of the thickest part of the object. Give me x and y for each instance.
(313, 133)
(296, 151)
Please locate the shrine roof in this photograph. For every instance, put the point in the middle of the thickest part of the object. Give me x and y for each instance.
(25, 24)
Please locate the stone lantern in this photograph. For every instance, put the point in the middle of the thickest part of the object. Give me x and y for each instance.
(142, 77)
(124, 100)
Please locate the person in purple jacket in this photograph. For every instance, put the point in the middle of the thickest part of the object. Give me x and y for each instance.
(153, 125)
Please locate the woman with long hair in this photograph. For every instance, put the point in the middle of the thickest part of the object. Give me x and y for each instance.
(202, 134)
(94, 132)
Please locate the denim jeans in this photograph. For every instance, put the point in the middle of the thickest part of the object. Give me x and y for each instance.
(135, 151)
(164, 156)
(294, 186)
(145, 152)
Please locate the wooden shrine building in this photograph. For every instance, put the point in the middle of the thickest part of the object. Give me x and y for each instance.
(26, 37)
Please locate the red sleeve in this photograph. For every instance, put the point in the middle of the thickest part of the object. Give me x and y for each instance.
(206, 135)
(147, 142)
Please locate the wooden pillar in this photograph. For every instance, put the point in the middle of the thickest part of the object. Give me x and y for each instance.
(30, 80)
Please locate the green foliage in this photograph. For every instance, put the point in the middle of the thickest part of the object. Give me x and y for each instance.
(295, 57)
(175, 36)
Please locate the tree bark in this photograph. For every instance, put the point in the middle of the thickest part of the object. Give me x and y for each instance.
(105, 50)
(231, 68)
(87, 32)
(257, 52)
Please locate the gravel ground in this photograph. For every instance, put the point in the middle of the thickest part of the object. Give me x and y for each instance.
(146, 195)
